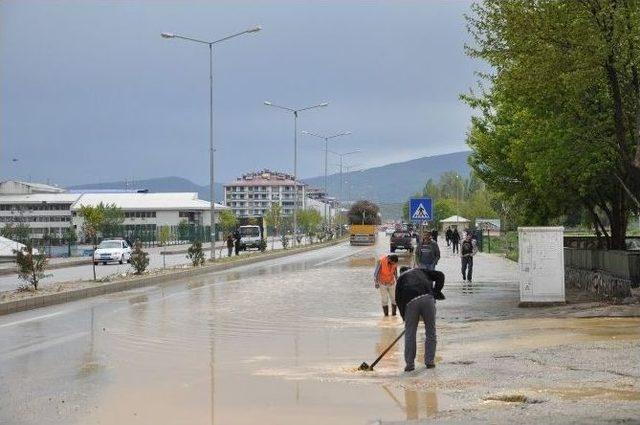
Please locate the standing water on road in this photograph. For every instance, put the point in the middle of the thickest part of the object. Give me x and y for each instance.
(279, 342)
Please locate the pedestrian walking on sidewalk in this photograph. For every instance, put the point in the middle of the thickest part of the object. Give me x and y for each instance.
(448, 235)
(416, 292)
(384, 278)
(427, 252)
(230, 245)
(468, 249)
(455, 240)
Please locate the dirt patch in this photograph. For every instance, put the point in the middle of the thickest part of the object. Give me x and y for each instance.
(512, 398)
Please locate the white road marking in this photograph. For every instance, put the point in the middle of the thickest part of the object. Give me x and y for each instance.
(44, 316)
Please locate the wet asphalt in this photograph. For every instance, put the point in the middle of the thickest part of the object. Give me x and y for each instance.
(279, 342)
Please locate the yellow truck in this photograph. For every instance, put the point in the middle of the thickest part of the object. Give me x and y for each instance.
(363, 234)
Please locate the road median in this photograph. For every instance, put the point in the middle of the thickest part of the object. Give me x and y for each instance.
(72, 291)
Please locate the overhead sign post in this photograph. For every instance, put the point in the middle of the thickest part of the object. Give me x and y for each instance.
(421, 210)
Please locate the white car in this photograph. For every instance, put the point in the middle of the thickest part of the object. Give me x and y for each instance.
(112, 250)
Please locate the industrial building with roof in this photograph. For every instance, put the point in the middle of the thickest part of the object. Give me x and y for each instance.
(51, 210)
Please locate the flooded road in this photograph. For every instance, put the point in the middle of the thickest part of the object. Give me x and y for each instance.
(279, 343)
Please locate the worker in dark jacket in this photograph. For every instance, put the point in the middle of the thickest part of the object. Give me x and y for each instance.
(415, 297)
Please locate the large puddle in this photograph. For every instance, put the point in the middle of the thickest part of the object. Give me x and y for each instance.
(270, 344)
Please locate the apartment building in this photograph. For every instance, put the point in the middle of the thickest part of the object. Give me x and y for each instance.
(253, 194)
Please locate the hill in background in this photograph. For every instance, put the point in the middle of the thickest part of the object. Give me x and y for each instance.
(393, 183)
(389, 185)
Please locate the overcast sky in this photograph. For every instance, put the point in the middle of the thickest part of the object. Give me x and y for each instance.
(90, 92)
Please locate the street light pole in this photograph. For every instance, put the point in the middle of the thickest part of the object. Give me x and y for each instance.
(211, 149)
(326, 158)
(342, 155)
(295, 157)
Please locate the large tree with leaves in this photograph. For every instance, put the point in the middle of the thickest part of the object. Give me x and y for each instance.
(559, 118)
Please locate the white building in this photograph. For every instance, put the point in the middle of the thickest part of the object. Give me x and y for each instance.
(14, 187)
(50, 209)
(147, 211)
(253, 194)
(42, 212)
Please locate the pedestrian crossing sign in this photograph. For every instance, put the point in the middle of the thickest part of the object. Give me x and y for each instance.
(421, 209)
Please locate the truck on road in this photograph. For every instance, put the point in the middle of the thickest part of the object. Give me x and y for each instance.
(364, 218)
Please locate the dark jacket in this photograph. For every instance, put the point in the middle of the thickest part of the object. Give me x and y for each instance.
(428, 253)
(416, 282)
(455, 236)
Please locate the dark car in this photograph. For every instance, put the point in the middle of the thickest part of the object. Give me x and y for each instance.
(401, 240)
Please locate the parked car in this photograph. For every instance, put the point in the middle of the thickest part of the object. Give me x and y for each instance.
(111, 251)
(401, 240)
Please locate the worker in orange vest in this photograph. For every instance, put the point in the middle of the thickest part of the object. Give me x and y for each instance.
(384, 279)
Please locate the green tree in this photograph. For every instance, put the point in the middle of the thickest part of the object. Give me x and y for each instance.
(69, 237)
(228, 221)
(559, 117)
(196, 254)
(273, 219)
(309, 221)
(139, 258)
(164, 233)
(113, 217)
(183, 230)
(31, 267)
(93, 217)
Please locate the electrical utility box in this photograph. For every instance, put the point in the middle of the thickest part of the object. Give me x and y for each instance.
(541, 265)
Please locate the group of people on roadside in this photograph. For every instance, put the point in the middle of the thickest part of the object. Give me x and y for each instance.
(414, 290)
(234, 242)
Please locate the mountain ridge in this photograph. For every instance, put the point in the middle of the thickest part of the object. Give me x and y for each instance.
(390, 183)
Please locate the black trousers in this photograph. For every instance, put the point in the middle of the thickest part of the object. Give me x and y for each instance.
(455, 246)
(467, 268)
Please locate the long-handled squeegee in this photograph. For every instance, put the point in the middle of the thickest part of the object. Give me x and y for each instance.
(365, 366)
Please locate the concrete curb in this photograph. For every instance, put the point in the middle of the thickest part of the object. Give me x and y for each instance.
(139, 282)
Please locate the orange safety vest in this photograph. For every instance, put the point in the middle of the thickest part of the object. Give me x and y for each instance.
(387, 273)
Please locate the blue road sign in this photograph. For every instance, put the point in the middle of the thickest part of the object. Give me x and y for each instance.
(421, 209)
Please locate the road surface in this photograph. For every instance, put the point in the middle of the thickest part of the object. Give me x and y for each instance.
(279, 342)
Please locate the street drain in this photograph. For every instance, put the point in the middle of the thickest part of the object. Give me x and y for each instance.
(512, 398)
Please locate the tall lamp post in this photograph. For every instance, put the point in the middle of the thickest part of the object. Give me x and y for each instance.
(211, 150)
(326, 158)
(342, 155)
(295, 155)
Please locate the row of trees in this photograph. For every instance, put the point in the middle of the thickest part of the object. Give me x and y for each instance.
(558, 124)
(457, 195)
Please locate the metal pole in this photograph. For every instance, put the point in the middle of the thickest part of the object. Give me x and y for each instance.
(211, 158)
(340, 201)
(326, 190)
(295, 177)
